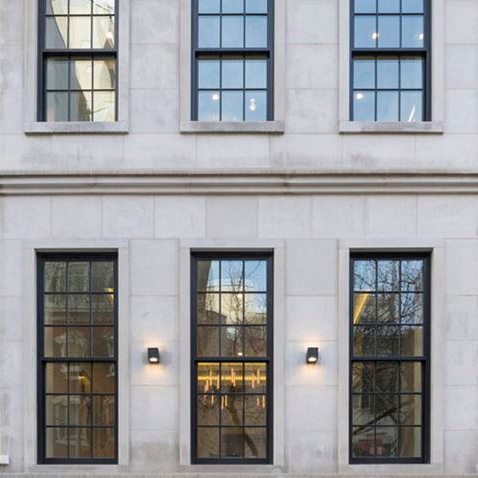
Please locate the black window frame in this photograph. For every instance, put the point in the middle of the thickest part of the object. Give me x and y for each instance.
(221, 53)
(42, 258)
(268, 256)
(424, 53)
(45, 53)
(425, 359)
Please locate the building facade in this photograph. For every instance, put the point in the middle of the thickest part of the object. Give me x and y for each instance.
(238, 236)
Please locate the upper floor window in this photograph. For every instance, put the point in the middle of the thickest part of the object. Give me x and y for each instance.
(390, 60)
(77, 60)
(232, 60)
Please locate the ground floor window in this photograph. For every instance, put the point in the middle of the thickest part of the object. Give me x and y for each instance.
(231, 358)
(77, 358)
(390, 358)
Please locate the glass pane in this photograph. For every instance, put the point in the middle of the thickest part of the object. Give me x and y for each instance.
(56, 7)
(55, 309)
(232, 442)
(363, 442)
(102, 311)
(103, 378)
(256, 74)
(255, 442)
(412, 308)
(412, 275)
(387, 442)
(208, 32)
(232, 32)
(103, 342)
(255, 276)
(104, 74)
(388, 6)
(256, 32)
(56, 74)
(102, 276)
(56, 32)
(208, 378)
(81, 75)
(231, 410)
(57, 106)
(363, 377)
(232, 103)
(364, 341)
(208, 443)
(364, 275)
(387, 74)
(256, 6)
(232, 275)
(80, 378)
(411, 377)
(365, 34)
(364, 106)
(103, 32)
(256, 106)
(388, 308)
(208, 77)
(80, 32)
(388, 275)
(78, 309)
(387, 340)
(208, 342)
(411, 106)
(209, 6)
(232, 6)
(104, 411)
(80, 106)
(208, 276)
(255, 341)
(208, 409)
(208, 309)
(104, 106)
(56, 410)
(56, 445)
(364, 73)
(233, 74)
(410, 442)
(208, 105)
(386, 377)
(255, 378)
(411, 75)
(231, 378)
(55, 277)
(56, 378)
(78, 276)
(364, 308)
(80, 410)
(389, 31)
(80, 7)
(413, 33)
(232, 308)
(387, 106)
(365, 6)
(386, 409)
(255, 310)
(80, 442)
(410, 409)
(104, 443)
(103, 7)
(363, 409)
(232, 342)
(411, 342)
(255, 410)
(412, 6)
(55, 341)
(79, 342)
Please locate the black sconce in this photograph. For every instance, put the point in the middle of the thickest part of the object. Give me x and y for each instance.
(153, 355)
(312, 355)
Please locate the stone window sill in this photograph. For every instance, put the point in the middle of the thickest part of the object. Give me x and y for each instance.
(422, 127)
(264, 127)
(77, 127)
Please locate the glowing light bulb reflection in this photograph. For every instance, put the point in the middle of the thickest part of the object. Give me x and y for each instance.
(375, 36)
(359, 96)
(421, 36)
(215, 97)
(252, 104)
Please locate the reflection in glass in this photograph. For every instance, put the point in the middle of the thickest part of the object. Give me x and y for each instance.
(104, 75)
(387, 340)
(388, 275)
(387, 73)
(411, 377)
(104, 102)
(232, 341)
(365, 6)
(208, 442)
(255, 311)
(80, 7)
(255, 442)
(56, 7)
(104, 411)
(208, 378)
(364, 73)
(387, 106)
(57, 74)
(232, 275)
(57, 106)
(208, 33)
(388, 6)
(56, 33)
(256, 74)
(255, 407)
(55, 309)
(55, 341)
(79, 413)
(256, 104)
(411, 73)
(232, 104)
(79, 378)
(208, 76)
(411, 106)
(232, 442)
(365, 32)
(232, 74)
(103, 32)
(413, 34)
(232, 410)
(411, 308)
(208, 342)
(364, 275)
(364, 106)
(56, 443)
(104, 443)
(79, 342)
(410, 442)
(365, 308)
(256, 31)
(386, 441)
(208, 105)
(232, 378)
(79, 442)
(56, 410)
(81, 107)
(208, 409)
(255, 377)
(208, 276)
(80, 32)
(386, 410)
(232, 32)
(78, 276)
(102, 342)
(232, 6)
(411, 341)
(412, 6)
(255, 341)
(389, 31)
(364, 341)
(388, 308)
(256, 6)
(56, 378)
(255, 276)
(208, 309)
(209, 6)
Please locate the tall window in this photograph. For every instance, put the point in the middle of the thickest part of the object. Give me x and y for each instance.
(232, 60)
(390, 61)
(77, 64)
(390, 359)
(232, 358)
(77, 361)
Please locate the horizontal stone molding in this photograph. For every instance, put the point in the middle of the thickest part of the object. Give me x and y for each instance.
(237, 183)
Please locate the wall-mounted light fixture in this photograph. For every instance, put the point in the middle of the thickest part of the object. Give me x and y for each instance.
(153, 355)
(312, 356)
